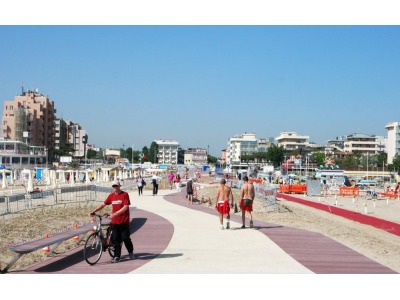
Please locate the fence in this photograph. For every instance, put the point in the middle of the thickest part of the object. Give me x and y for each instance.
(349, 191)
(63, 195)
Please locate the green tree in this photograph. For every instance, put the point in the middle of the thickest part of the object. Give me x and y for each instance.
(91, 154)
(145, 152)
(275, 155)
(319, 158)
(395, 165)
(381, 159)
(73, 165)
(153, 153)
(211, 159)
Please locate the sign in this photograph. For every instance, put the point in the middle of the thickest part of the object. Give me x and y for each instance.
(65, 159)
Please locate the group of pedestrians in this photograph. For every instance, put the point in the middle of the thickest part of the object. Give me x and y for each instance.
(120, 202)
(174, 181)
(224, 202)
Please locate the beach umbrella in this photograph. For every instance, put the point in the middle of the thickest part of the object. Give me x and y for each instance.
(11, 177)
(46, 175)
(53, 178)
(87, 180)
(62, 176)
(71, 178)
(4, 182)
(29, 187)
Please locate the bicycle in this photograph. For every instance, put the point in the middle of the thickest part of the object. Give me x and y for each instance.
(98, 242)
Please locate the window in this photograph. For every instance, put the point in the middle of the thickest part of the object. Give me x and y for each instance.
(11, 107)
(4, 122)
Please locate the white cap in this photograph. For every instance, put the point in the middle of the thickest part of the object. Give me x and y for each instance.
(115, 182)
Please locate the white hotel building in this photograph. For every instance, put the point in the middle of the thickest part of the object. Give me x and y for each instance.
(242, 144)
(292, 141)
(393, 140)
(167, 151)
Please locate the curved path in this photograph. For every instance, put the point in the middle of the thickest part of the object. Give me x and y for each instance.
(172, 237)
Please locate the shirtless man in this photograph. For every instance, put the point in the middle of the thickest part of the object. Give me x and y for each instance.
(246, 202)
(224, 194)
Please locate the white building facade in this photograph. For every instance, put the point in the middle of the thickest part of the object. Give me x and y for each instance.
(195, 156)
(365, 144)
(243, 144)
(292, 141)
(167, 151)
(393, 140)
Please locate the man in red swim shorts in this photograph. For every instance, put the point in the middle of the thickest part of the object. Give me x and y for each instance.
(224, 194)
(246, 202)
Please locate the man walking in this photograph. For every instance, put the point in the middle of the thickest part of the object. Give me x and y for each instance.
(246, 202)
(119, 220)
(224, 194)
(189, 190)
(154, 181)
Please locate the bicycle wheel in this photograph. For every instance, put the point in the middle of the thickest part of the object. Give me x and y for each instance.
(93, 249)
(109, 243)
(111, 250)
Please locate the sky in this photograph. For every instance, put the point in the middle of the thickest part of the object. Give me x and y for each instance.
(202, 84)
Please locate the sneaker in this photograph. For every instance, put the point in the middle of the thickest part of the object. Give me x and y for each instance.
(222, 227)
(251, 224)
(227, 225)
(131, 256)
(115, 260)
(243, 226)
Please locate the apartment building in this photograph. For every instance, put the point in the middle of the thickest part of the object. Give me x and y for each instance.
(195, 156)
(393, 140)
(167, 151)
(61, 134)
(241, 144)
(30, 118)
(364, 143)
(292, 141)
(76, 136)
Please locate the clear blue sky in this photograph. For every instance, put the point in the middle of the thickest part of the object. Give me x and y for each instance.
(203, 84)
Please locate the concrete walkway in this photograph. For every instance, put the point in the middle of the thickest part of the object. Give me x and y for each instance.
(208, 249)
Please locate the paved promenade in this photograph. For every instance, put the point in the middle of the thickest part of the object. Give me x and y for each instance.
(172, 237)
(206, 248)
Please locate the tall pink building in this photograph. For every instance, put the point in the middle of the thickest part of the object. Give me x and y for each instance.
(30, 118)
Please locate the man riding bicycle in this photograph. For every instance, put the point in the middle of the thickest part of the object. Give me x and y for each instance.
(119, 220)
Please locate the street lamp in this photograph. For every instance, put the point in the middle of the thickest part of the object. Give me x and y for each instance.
(132, 156)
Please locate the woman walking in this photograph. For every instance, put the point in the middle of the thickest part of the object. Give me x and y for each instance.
(140, 183)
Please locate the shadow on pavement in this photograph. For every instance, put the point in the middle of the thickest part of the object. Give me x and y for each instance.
(152, 255)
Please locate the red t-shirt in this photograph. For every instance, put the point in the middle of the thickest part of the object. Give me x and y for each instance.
(118, 201)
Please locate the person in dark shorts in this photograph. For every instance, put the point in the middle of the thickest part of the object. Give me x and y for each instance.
(119, 200)
(190, 190)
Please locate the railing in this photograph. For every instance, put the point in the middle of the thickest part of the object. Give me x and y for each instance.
(64, 195)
